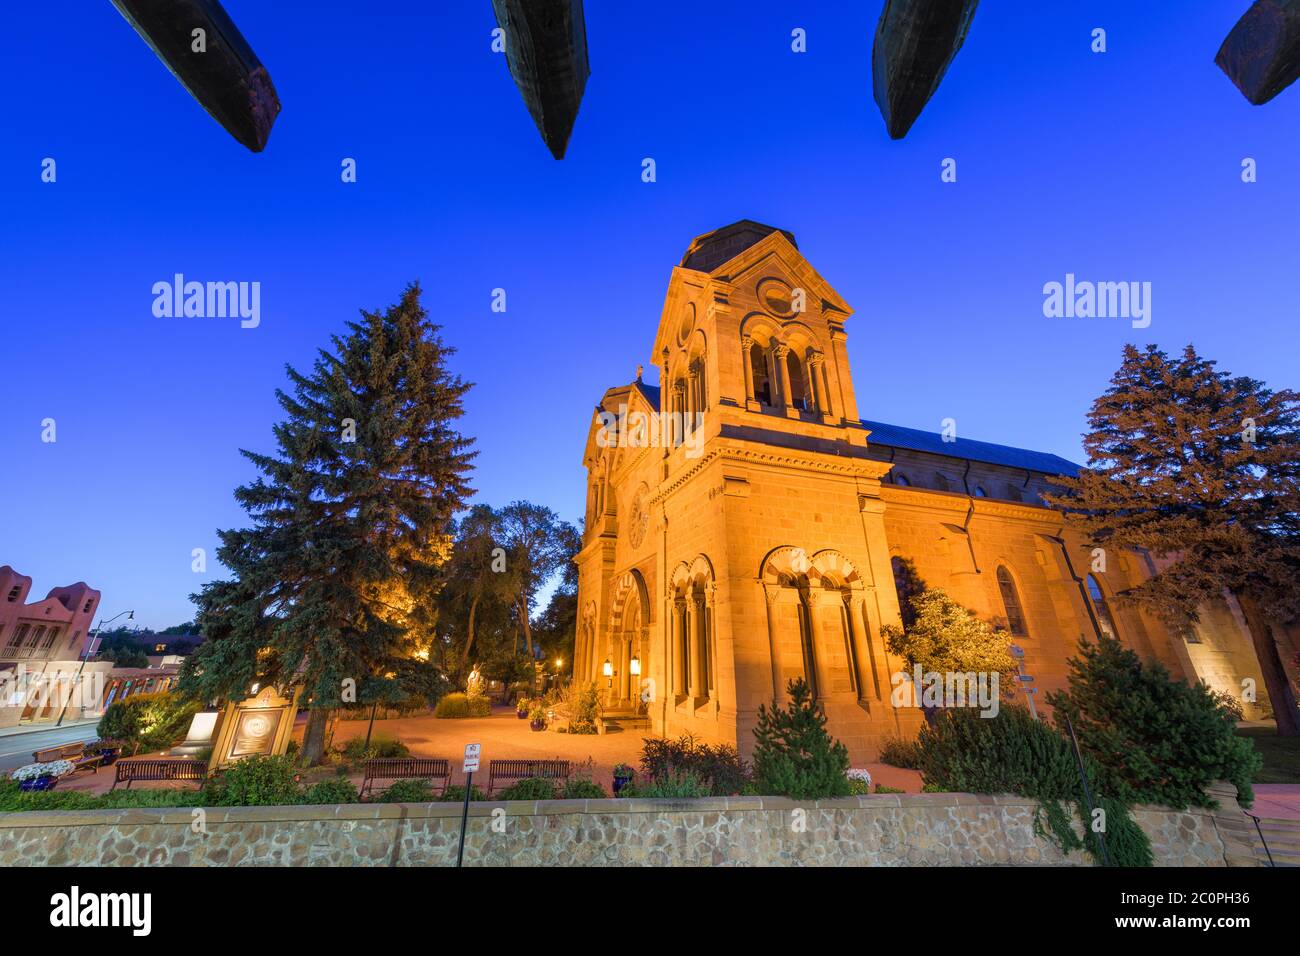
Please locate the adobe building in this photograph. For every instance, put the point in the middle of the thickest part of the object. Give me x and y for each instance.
(44, 642)
(751, 532)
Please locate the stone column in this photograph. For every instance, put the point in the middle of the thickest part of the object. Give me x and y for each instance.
(746, 345)
(815, 379)
(779, 353)
(709, 659)
(679, 413)
(770, 595)
(812, 601)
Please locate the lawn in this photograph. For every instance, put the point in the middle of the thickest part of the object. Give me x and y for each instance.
(1281, 755)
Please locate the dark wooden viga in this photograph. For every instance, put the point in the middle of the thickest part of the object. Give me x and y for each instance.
(131, 769)
(516, 770)
(433, 769)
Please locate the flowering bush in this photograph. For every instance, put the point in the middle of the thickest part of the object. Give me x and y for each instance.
(859, 781)
(55, 768)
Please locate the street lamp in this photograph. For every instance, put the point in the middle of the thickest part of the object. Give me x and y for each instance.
(85, 656)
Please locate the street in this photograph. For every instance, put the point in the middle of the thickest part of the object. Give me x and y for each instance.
(16, 749)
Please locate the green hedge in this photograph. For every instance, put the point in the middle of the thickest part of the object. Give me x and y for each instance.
(458, 705)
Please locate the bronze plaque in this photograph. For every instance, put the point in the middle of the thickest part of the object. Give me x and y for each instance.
(255, 732)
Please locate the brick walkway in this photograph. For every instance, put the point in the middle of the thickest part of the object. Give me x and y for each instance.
(502, 736)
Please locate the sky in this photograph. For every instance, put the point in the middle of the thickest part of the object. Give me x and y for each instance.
(1116, 166)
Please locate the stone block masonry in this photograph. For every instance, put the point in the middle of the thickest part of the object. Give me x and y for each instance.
(942, 829)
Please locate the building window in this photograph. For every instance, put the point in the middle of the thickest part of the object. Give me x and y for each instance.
(14, 592)
(806, 643)
(1013, 493)
(900, 479)
(19, 635)
(159, 648)
(762, 383)
(1104, 619)
(1011, 601)
(86, 609)
(798, 387)
(49, 638)
(941, 481)
(980, 492)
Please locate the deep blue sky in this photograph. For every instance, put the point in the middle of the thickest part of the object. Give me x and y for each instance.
(1122, 166)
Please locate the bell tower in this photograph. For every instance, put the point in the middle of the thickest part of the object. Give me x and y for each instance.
(751, 334)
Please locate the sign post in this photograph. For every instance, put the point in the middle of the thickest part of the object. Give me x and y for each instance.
(471, 764)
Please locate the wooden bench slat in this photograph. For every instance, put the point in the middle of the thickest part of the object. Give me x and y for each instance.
(516, 770)
(432, 769)
(131, 769)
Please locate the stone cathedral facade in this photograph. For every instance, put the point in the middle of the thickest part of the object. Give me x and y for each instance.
(756, 535)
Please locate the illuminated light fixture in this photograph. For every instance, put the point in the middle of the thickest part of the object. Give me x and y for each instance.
(608, 669)
(634, 666)
(253, 690)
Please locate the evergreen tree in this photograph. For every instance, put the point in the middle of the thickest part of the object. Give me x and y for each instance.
(351, 519)
(1202, 468)
(1160, 740)
(794, 754)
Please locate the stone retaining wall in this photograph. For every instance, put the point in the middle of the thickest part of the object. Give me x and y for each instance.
(942, 829)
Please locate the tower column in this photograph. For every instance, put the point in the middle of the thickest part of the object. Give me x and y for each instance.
(779, 354)
(815, 378)
(693, 647)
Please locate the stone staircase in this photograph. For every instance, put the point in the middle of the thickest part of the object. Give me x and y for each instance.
(1283, 839)
(621, 721)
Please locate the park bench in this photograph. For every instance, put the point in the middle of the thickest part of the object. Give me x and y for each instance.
(512, 771)
(131, 769)
(74, 754)
(433, 769)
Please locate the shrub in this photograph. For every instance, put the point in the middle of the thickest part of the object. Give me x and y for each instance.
(253, 782)
(944, 636)
(533, 788)
(960, 751)
(671, 786)
(881, 788)
(859, 782)
(456, 705)
(407, 791)
(356, 749)
(794, 756)
(584, 708)
(338, 790)
(14, 800)
(148, 721)
(583, 790)
(456, 794)
(898, 752)
(1159, 740)
(720, 767)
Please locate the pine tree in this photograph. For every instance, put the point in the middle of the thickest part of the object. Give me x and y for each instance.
(794, 754)
(1202, 468)
(350, 523)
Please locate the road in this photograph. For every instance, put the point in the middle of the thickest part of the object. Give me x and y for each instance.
(16, 749)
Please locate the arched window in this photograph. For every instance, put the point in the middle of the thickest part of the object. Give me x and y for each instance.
(980, 492)
(908, 584)
(1104, 619)
(762, 383)
(941, 481)
(806, 643)
(798, 386)
(1011, 602)
(1013, 493)
(901, 480)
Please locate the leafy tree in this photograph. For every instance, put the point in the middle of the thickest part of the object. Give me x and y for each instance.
(476, 585)
(794, 754)
(944, 637)
(538, 544)
(351, 522)
(1159, 739)
(122, 647)
(1193, 464)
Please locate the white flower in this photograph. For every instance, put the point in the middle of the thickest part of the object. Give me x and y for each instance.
(864, 775)
(55, 768)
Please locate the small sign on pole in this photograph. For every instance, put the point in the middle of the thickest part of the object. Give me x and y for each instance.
(471, 764)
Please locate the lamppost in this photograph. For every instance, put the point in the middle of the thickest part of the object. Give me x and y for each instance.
(85, 656)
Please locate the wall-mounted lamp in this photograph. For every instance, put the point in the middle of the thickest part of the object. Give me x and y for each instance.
(634, 666)
(608, 671)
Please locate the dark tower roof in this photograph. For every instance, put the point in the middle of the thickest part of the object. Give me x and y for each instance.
(712, 249)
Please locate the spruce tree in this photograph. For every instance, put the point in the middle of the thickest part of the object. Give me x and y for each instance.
(334, 581)
(1203, 469)
(794, 755)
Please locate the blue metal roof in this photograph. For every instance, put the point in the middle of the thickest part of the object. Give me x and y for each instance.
(914, 439)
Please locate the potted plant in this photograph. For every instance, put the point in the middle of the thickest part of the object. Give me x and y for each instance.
(41, 776)
(522, 706)
(110, 750)
(623, 774)
(537, 717)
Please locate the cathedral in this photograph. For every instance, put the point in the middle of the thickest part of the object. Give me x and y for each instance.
(745, 525)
